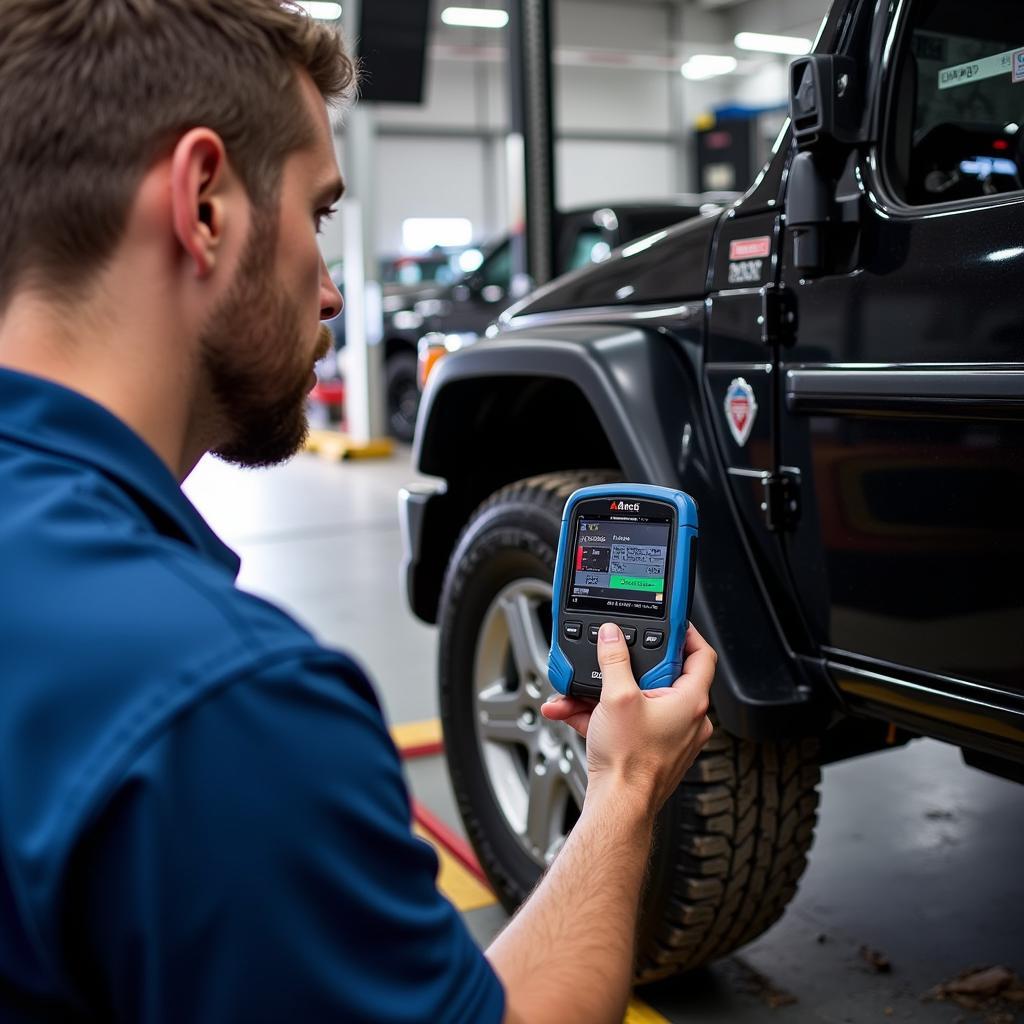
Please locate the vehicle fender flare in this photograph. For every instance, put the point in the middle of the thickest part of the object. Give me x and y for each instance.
(605, 397)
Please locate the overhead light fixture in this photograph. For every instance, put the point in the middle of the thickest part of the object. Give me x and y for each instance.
(474, 17)
(707, 65)
(794, 46)
(320, 11)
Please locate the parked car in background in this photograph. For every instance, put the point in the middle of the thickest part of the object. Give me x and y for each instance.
(439, 265)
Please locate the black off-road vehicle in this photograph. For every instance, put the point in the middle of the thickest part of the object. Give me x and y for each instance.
(834, 369)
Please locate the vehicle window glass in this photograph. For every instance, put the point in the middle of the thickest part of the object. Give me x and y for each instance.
(588, 247)
(959, 102)
(496, 270)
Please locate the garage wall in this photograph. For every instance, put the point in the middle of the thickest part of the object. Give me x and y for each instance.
(626, 170)
(622, 132)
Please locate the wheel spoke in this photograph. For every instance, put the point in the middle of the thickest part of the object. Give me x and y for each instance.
(526, 636)
(503, 716)
(545, 785)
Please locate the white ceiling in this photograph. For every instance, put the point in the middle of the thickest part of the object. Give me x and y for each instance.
(710, 21)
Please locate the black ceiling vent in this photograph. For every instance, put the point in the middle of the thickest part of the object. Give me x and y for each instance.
(392, 50)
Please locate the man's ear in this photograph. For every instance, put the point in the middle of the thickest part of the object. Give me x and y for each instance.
(200, 181)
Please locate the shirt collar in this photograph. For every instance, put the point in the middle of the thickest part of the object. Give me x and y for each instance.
(40, 414)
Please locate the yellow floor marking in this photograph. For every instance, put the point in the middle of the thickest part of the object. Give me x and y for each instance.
(416, 734)
(333, 444)
(464, 890)
(640, 1013)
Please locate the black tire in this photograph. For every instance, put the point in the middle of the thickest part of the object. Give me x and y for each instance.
(402, 395)
(730, 844)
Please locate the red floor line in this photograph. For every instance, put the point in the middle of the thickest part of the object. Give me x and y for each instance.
(422, 750)
(451, 841)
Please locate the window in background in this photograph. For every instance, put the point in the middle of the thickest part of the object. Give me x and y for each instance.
(420, 234)
(496, 269)
(589, 247)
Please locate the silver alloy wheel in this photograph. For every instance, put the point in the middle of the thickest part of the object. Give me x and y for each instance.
(535, 767)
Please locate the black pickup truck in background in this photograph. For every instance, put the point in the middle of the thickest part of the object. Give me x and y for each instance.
(834, 369)
(467, 305)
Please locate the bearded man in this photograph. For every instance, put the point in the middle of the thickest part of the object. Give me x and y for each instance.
(202, 817)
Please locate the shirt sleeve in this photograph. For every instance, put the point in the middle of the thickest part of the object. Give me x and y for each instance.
(256, 864)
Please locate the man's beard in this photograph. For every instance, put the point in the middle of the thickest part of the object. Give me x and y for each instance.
(255, 361)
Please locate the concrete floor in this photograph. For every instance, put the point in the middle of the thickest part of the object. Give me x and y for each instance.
(917, 856)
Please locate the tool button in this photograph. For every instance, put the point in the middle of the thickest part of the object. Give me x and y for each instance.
(572, 630)
(653, 638)
(629, 632)
(592, 632)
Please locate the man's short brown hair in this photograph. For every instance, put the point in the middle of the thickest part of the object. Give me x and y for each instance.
(93, 91)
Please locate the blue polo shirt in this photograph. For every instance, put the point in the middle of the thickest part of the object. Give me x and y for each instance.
(202, 816)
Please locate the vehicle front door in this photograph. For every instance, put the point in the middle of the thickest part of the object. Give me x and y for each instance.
(902, 396)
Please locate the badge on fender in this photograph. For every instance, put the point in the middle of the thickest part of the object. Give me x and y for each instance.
(740, 410)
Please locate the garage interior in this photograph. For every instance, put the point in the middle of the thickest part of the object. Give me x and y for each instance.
(914, 876)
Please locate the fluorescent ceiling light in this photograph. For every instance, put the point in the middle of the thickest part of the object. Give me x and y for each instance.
(474, 17)
(320, 11)
(707, 65)
(793, 45)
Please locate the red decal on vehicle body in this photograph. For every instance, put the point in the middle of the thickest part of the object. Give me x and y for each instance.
(750, 248)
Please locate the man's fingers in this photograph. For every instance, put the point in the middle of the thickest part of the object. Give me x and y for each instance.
(694, 641)
(613, 657)
(699, 666)
(573, 711)
(559, 709)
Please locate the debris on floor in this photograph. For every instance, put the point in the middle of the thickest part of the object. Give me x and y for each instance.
(878, 962)
(994, 989)
(757, 984)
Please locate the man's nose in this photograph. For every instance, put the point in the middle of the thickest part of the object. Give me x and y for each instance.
(331, 302)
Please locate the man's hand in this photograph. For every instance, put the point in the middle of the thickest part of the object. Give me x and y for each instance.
(644, 740)
(567, 955)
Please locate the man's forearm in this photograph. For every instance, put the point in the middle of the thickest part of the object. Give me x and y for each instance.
(568, 953)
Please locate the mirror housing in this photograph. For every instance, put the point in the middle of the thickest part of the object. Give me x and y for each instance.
(824, 100)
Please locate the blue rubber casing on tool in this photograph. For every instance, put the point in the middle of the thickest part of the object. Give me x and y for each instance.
(665, 672)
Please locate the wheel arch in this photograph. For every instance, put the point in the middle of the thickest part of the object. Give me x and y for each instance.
(502, 411)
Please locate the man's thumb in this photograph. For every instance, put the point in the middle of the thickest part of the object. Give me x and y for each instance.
(613, 657)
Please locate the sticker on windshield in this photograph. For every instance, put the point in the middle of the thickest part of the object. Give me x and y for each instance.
(975, 70)
(1018, 66)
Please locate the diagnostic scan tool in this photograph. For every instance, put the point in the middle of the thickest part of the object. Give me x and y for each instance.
(627, 554)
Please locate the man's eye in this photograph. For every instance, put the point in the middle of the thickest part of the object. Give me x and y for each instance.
(322, 216)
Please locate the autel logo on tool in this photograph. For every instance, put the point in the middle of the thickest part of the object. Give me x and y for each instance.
(625, 506)
(740, 410)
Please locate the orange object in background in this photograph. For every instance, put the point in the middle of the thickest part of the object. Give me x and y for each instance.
(429, 352)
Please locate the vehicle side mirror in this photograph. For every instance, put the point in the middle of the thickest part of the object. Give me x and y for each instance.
(825, 111)
(824, 101)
